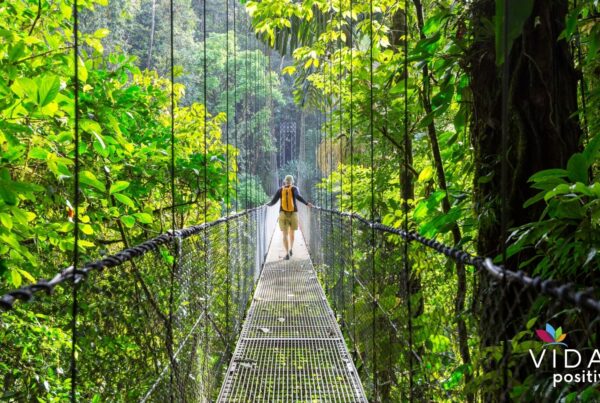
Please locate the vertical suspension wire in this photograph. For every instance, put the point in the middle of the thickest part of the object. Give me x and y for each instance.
(504, 182)
(341, 103)
(353, 271)
(404, 192)
(271, 123)
(238, 299)
(235, 132)
(264, 92)
(372, 185)
(261, 91)
(206, 353)
(173, 209)
(331, 123)
(329, 156)
(246, 104)
(582, 84)
(246, 153)
(226, 204)
(254, 109)
(76, 201)
(341, 165)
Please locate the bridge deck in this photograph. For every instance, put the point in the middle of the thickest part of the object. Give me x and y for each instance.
(290, 348)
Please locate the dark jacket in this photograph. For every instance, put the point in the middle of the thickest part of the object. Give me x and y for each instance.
(297, 197)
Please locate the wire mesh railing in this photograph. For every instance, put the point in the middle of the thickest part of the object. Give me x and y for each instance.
(161, 319)
(417, 333)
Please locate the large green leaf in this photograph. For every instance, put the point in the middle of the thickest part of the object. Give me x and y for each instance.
(577, 168)
(48, 88)
(124, 199)
(89, 178)
(518, 12)
(118, 186)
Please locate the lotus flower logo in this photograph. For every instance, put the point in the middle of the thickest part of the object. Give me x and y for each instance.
(551, 336)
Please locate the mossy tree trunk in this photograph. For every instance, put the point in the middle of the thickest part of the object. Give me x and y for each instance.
(543, 132)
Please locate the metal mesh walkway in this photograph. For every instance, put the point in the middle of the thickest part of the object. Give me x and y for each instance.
(291, 348)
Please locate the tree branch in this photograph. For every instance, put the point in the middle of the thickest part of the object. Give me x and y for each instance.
(43, 54)
(37, 17)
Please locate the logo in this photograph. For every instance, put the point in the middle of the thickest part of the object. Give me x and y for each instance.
(566, 365)
(551, 336)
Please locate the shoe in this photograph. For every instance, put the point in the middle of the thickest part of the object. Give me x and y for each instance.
(291, 252)
(287, 257)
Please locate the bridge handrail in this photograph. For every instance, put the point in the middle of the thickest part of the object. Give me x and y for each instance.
(563, 291)
(27, 293)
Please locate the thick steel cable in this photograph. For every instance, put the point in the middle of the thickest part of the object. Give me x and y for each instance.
(562, 291)
(406, 174)
(76, 186)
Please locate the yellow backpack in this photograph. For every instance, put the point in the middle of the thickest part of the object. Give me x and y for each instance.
(287, 199)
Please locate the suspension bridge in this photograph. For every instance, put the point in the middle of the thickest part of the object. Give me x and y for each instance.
(307, 329)
(363, 311)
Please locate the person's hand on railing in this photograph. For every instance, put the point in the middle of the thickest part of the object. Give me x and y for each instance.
(310, 205)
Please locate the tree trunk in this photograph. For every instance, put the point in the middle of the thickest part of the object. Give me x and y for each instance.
(543, 132)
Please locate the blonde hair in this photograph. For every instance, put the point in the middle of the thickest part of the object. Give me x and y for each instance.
(289, 179)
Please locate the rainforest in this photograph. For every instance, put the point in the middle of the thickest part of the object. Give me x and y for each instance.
(449, 151)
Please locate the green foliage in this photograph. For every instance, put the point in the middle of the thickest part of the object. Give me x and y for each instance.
(357, 84)
(564, 242)
(124, 130)
(250, 192)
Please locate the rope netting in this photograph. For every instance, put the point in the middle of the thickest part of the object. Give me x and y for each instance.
(123, 348)
(369, 293)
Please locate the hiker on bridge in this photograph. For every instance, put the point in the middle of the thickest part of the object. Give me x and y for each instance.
(288, 212)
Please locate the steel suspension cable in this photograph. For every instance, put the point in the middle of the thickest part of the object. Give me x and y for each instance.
(319, 154)
(354, 352)
(254, 112)
(271, 123)
(404, 192)
(331, 127)
(205, 175)
(372, 180)
(76, 186)
(341, 164)
(504, 183)
(254, 73)
(226, 204)
(173, 202)
(582, 84)
(235, 132)
(246, 134)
